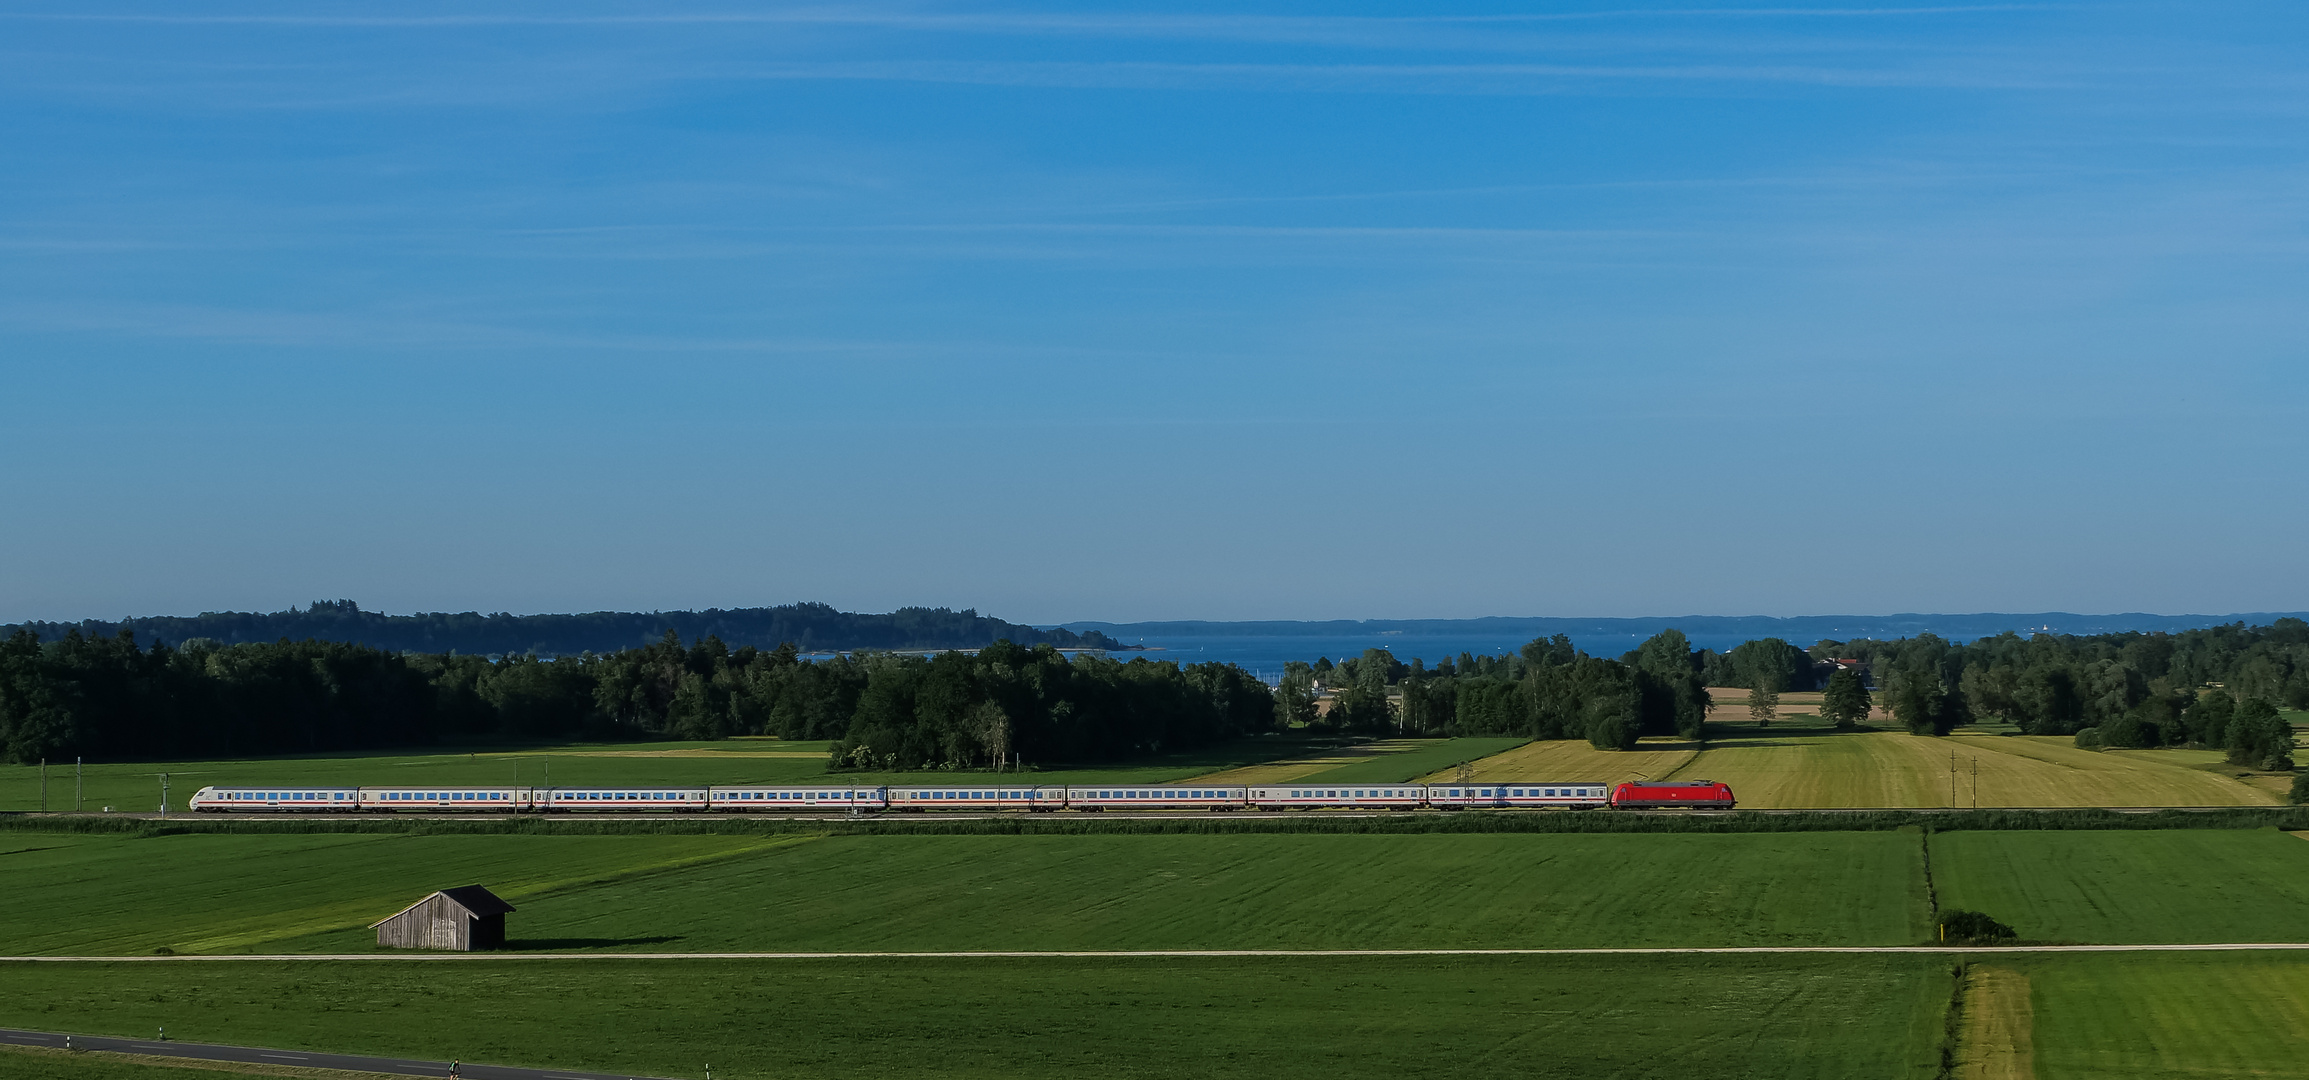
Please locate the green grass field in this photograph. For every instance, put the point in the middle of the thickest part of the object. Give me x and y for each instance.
(1317, 1018)
(2097, 1016)
(318, 893)
(204, 893)
(2089, 1017)
(2214, 885)
(136, 786)
(2122, 1017)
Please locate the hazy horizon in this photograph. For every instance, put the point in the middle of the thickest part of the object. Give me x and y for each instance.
(1096, 622)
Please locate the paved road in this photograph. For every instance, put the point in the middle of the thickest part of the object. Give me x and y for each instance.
(1111, 954)
(257, 1055)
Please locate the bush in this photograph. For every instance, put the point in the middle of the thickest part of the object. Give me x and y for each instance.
(2300, 792)
(2088, 739)
(1957, 924)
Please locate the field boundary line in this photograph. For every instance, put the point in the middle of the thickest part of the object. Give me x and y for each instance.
(1116, 954)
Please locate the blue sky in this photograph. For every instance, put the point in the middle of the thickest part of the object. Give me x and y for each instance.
(1106, 312)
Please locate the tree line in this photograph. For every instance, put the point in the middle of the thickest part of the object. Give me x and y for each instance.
(2219, 687)
(110, 697)
(1549, 689)
(810, 627)
(114, 697)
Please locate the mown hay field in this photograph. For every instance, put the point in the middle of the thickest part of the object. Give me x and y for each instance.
(225, 894)
(2215, 885)
(1387, 761)
(1836, 770)
(1574, 760)
(1317, 1018)
(1319, 760)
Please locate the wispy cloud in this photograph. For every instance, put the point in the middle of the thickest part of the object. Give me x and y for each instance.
(1393, 78)
(1232, 26)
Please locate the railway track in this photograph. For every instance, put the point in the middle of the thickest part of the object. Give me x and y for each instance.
(1071, 815)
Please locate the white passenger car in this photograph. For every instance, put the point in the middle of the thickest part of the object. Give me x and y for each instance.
(919, 799)
(1335, 796)
(215, 800)
(617, 800)
(1518, 794)
(489, 799)
(795, 799)
(1155, 797)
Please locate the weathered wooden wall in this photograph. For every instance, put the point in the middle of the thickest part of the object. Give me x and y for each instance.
(438, 923)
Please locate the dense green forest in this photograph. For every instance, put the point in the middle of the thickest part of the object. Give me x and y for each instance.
(1549, 690)
(108, 697)
(809, 627)
(114, 697)
(2217, 687)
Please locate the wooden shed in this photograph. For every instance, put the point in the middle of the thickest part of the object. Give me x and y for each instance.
(462, 919)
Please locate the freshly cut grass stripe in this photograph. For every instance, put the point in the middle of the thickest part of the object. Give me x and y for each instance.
(1801, 1018)
(1995, 1040)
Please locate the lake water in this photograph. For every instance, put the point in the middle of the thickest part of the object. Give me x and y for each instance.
(1265, 655)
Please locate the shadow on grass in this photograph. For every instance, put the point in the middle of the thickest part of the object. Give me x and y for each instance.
(1749, 734)
(565, 943)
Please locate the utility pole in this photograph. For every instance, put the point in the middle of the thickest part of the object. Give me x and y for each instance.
(79, 771)
(43, 785)
(1952, 777)
(164, 793)
(1976, 783)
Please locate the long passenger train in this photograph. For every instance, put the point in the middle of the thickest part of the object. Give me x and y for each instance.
(1495, 795)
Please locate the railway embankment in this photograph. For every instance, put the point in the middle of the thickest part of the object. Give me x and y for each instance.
(2289, 818)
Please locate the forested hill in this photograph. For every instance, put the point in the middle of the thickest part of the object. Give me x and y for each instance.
(808, 626)
(1801, 629)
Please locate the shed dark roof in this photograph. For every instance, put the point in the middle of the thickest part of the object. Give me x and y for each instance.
(472, 898)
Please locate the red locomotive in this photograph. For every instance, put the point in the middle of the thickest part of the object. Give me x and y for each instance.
(1672, 794)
